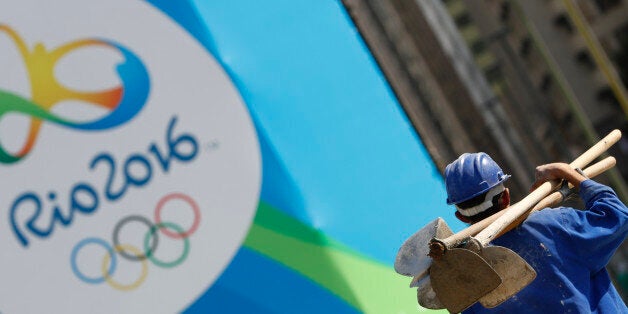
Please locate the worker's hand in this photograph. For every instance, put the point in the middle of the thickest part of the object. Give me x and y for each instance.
(556, 171)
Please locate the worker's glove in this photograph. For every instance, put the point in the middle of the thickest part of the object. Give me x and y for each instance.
(565, 191)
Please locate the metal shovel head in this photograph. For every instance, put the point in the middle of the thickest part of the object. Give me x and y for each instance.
(515, 272)
(412, 259)
(461, 277)
(425, 294)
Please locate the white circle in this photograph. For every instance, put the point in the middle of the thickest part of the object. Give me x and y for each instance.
(188, 88)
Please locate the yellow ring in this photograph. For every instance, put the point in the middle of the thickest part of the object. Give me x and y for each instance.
(105, 266)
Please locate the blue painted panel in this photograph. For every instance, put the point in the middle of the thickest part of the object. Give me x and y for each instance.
(256, 284)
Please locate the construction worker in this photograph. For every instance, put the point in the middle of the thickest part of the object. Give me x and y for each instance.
(568, 248)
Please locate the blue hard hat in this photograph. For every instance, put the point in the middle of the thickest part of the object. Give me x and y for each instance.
(471, 175)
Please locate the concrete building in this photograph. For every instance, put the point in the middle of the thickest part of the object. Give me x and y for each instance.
(572, 53)
(527, 81)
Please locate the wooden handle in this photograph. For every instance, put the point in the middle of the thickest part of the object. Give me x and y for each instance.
(556, 197)
(597, 149)
(515, 211)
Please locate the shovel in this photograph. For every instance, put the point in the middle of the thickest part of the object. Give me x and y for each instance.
(418, 263)
(462, 276)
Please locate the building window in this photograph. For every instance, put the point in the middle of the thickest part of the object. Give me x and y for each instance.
(562, 22)
(525, 46)
(584, 58)
(493, 73)
(605, 95)
(463, 20)
(504, 11)
(620, 56)
(606, 5)
(478, 47)
(546, 83)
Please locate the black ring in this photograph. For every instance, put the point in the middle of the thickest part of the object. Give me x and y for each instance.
(151, 227)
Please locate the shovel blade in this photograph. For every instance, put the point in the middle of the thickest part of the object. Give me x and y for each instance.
(425, 294)
(412, 259)
(515, 272)
(461, 277)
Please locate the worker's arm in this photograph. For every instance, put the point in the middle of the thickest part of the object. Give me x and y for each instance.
(599, 230)
(595, 233)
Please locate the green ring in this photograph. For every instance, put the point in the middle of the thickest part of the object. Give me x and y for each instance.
(177, 228)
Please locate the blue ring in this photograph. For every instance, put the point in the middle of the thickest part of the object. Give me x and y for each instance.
(81, 244)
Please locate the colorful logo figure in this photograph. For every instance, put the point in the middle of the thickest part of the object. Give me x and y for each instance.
(123, 102)
(134, 254)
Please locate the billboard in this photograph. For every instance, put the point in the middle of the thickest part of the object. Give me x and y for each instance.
(192, 156)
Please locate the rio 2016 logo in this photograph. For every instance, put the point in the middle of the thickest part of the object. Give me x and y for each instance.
(122, 102)
(119, 156)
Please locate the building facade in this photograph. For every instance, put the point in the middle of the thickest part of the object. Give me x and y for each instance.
(527, 81)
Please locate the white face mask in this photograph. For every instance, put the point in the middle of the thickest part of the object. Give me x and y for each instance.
(488, 202)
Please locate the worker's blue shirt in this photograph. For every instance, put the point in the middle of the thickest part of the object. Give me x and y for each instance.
(569, 250)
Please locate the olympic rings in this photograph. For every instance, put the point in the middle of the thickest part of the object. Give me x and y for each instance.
(80, 245)
(195, 208)
(186, 247)
(116, 235)
(151, 241)
(120, 248)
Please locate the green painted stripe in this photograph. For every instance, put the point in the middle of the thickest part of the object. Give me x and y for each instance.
(278, 221)
(308, 259)
(362, 282)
